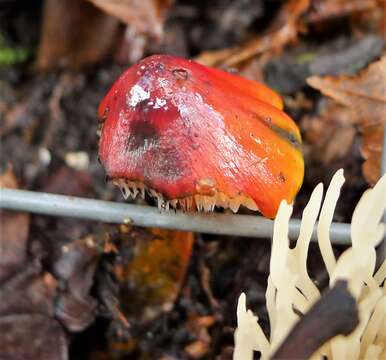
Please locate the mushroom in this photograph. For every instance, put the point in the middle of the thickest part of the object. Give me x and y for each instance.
(195, 137)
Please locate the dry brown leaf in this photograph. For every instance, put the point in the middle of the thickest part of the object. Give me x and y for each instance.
(76, 268)
(329, 135)
(75, 34)
(33, 337)
(154, 274)
(216, 57)
(14, 232)
(199, 326)
(8, 179)
(382, 25)
(67, 181)
(329, 9)
(146, 16)
(197, 349)
(254, 68)
(365, 94)
(283, 30)
(372, 141)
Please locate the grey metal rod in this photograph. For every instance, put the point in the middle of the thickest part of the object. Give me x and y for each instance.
(147, 216)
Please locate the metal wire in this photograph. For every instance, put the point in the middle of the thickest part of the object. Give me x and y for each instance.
(147, 216)
(111, 212)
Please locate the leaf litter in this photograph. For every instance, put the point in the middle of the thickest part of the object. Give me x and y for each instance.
(365, 95)
(89, 281)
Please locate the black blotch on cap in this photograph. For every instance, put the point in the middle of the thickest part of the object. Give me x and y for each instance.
(142, 130)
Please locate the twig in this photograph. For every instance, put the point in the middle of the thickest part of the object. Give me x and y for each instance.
(335, 313)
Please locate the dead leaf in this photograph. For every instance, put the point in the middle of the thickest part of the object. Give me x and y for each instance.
(254, 68)
(197, 349)
(132, 48)
(13, 117)
(329, 134)
(199, 327)
(14, 232)
(75, 34)
(152, 276)
(63, 87)
(29, 291)
(205, 276)
(68, 181)
(382, 25)
(216, 57)
(145, 16)
(372, 141)
(33, 337)
(8, 179)
(283, 30)
(76, 308)
(365, 94)
(330, 9)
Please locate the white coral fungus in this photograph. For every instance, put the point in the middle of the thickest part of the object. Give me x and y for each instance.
(290, 287)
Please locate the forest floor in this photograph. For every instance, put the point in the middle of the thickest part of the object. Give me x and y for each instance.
(105, 295)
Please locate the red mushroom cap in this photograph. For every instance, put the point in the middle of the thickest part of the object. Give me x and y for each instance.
(198, 137)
